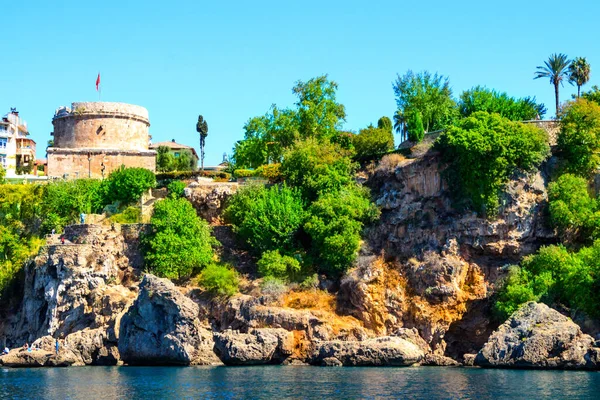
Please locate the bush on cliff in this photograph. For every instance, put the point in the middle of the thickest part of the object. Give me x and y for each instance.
(219, 280)
(483, 151)
(127, 185)
(266, 218)
(572, 210)
(372, 142)
(317, 167)
(179, 242)
(554, 276)
(274, 264)
(334, 224)
(579, 137)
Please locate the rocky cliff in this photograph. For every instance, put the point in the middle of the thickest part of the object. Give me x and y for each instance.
(420, 292)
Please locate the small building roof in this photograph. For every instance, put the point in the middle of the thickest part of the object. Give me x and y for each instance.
(173, 146)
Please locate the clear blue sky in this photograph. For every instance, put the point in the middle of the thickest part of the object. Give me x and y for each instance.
(231, 60)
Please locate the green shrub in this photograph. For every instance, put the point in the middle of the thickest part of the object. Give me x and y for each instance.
(572, 210)
(131, 215)
(483, 151)
(272, 263)
(243, 173)
(266, 218)
(579, 137)
(372, 142)
(179, 243)
(334, 223)
(176, 189)
(63, 201)
(219, 280)
(127, 185)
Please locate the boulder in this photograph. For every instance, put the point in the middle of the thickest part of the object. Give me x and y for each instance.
(21, 358)
(162, 327)
(93, 347)
(261, 346)
(537, 336)
(382, 351)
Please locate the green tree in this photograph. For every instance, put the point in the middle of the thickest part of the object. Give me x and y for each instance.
(414, 126)
(319, 113)
(483, 151)
(483, 99)
(556, 69)
(430, 95)
(179, 242)
(592, 95)
(579, 137)
(579, 73)
(317, 167)
(266, 219)
(2, 175)
(373, 142)
(165, 161)
(202, 129)
(385, 123)
(176, 189)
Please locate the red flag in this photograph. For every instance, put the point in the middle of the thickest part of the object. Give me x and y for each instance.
(98, 81)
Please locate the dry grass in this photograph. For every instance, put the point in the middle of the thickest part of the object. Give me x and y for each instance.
(389, 163)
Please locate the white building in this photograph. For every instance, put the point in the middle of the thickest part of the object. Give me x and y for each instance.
(17, 150)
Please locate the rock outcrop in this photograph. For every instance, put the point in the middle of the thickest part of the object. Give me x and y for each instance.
(162, 327)
(77, 285)
(261, 346)
(209, 198)
(537, 336)
(382, 351)
(21, 358)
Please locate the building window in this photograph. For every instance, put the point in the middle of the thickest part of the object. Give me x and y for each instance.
(176, 154)
(3, 142)
(3, 161)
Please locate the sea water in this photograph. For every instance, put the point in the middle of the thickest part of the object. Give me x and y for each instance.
(294, 382)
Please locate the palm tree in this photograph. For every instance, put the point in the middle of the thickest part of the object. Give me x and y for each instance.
(400, 125)
(556, 68)
(579, 73)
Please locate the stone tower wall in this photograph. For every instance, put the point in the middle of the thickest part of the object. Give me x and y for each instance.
(91, 139)
(102, 125)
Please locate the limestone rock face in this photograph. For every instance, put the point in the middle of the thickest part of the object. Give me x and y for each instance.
(162, 327)
(209, 198)
(74, 286)
(261, 346)
(382, 351)
(537, 336)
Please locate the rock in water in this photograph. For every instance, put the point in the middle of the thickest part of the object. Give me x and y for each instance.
(382, 351)
(537, 336)
(262, 346)
(162, 327)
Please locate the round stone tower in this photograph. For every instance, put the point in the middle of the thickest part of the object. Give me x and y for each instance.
(93, 138)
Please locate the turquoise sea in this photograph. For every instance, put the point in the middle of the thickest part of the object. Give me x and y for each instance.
(294, 382)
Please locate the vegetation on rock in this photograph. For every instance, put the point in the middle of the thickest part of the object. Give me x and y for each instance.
(483, 151)
(219, 280)
(179, 243)
(483, 99)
